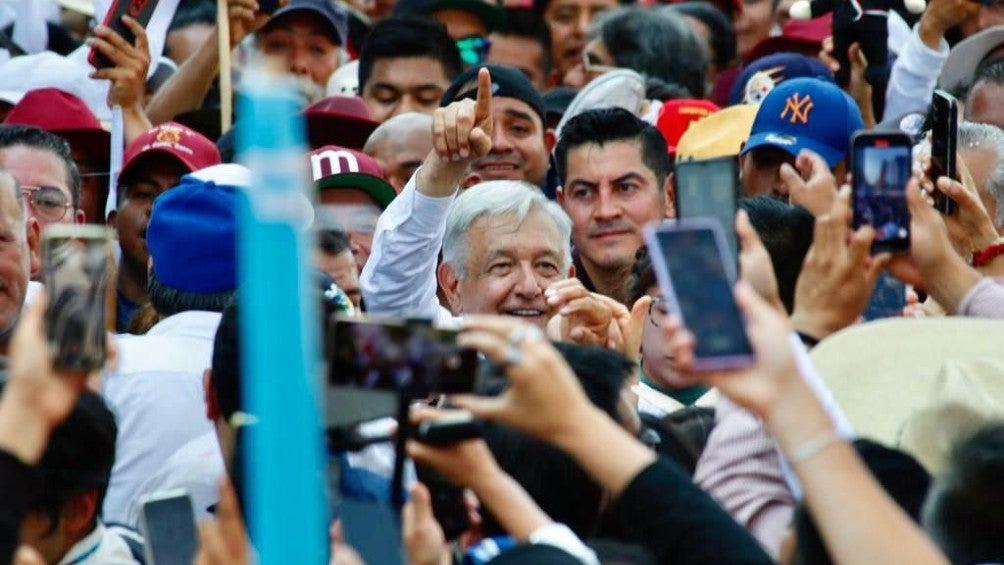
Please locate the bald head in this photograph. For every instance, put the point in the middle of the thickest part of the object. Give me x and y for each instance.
(400, 145)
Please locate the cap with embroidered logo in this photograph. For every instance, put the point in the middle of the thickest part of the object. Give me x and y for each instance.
(333, 167)
(806, 113)
(761, 76)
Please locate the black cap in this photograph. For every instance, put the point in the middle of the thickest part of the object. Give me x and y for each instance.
(333, 14)
(506, 82)
(492, 16)
(557, 99)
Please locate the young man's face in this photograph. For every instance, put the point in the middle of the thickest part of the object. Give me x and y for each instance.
(154, 175)
(610, 194)
(520, 146)
(761, 174)
(523, 53)
(305, 41)
(753, 24)
(569, 21)
(404, 84)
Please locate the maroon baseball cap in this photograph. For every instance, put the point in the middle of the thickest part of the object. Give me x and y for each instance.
(339, 120)
(797, 36)
(333, 167)
(190, 147)
(65, 115)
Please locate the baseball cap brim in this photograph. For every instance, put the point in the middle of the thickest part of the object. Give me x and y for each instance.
(966, 56)
(492, 15)
(344, 131)
(340, 29)
(379, 190)
(128, 167)
(793, 145)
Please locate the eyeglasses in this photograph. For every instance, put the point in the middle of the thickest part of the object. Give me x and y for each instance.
(658, 311)
(473, 49)
(49, 202)
(591, 64)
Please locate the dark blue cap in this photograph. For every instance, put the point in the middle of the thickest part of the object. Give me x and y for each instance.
(761, 76)
(333, 14)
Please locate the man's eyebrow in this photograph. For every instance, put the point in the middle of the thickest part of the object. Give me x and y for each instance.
(630, 175)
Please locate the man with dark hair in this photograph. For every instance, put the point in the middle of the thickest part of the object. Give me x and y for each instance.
(192, 241)
(524, 43)
(520, 143)
(405, 65)
(962, 513)
(63, 522)
(41, 163)
(334, 257)
(614, 171)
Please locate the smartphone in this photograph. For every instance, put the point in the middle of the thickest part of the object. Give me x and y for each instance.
(399, 355)
(139, 10)
(167, 523)
(882, 165)
(710, 189)
(448, 504)
(944, 139)
(76, 269)
(696, 277)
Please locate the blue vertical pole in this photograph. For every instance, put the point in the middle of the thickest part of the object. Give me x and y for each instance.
(278, 316)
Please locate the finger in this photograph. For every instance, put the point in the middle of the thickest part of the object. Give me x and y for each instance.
(439, 134)
(483, 408)
(791, 179)
(960, 194)
(450, 131)
(114, 54)
(875, 267)
(585, 336)
(841, 210)
(483, 106)
(422, 501)
(823, 238)
(749, 239)
(481, 142)
(815, 165)
(141, 43)
(465, 123)
(861, 245)
(111, 37)
(561, 297)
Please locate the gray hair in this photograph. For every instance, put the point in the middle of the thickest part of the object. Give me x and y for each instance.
(974, 135)
(499, 198)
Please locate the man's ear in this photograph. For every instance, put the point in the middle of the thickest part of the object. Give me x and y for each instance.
(559, 195)
(450, 284)
(550, 140)
(32, 231)
(110, 220)
(78, 513)
(669, 193)
(212, 405)
(80, 217)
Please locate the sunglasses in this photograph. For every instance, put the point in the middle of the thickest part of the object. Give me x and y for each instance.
(473, 49)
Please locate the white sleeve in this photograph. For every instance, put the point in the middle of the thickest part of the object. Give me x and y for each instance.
(560, 536)
(914, 77)
(399, 278)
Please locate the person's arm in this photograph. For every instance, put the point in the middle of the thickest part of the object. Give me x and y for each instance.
(984, 300)
(915, 73)
(187, 88)
(128, 76)
(400, 276)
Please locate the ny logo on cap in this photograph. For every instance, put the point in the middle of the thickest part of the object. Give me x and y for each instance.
(339, 162)
(798, 108)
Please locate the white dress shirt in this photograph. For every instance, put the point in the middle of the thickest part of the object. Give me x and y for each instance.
(158, 400)
(399, 278)
(102, 546)
(914, 77)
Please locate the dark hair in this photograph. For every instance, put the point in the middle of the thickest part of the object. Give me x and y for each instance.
(226, 365)
(193, 12)
(528, 24)
(723, 38)
(78, 458)
(656, 44)
(168, 301)
(13, 135)
(900, 476)
(963, 511)
(333, 242)
(608, 125)
(408, 36)
(786, 232)
(555, 481)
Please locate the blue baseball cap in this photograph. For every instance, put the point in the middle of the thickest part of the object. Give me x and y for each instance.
(758, 78)
(192, 234)
(806, 113)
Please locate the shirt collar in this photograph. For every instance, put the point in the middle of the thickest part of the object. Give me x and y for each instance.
(85, 547)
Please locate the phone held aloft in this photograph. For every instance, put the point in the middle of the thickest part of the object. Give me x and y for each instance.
(881, 170)
(76, 270)
(696, 280)
(944, 142)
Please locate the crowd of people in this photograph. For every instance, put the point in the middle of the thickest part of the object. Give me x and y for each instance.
(489, 168)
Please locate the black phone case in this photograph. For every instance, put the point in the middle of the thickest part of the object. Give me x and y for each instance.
(944, 142)
(139, 10)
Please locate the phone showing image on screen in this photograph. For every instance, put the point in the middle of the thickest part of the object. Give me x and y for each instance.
(882, 166)
(696, 279)
(709, 188)
(76, 270)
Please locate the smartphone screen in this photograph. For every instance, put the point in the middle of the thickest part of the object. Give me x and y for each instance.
(394, 356)
(882, 168)
(944, 138)
(76, 263)
(697, 281)
(168, 525)
(139, 10)
(710, 189)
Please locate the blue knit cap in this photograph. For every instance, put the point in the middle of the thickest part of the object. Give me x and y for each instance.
(192, 234)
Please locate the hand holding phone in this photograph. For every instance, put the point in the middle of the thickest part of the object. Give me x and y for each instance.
(689, 257)
(881, 169)
(139, 10)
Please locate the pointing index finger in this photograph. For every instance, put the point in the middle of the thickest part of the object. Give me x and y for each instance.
(483, 106)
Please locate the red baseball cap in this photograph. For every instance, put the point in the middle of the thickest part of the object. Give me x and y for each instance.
(797, 36)
(65, 115)
(333, 167)
(675, 117)
(190, 147)
(339, 120)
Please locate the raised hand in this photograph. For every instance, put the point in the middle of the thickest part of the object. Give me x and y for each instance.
(810, 184)
(128, 76)
(463, 130)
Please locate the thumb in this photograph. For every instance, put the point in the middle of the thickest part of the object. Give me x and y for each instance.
(420, 501)
(482, 408)
(790, 177)
(749, 239)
